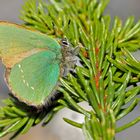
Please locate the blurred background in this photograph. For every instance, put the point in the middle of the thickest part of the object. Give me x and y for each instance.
(57, 129)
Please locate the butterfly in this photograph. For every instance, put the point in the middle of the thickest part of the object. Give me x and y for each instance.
(32, 61)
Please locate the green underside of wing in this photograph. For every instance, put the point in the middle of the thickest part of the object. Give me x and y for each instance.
(16, 39)
(34, 78)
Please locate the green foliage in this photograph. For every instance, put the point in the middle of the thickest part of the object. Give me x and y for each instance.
(19, 118)
(103, 79)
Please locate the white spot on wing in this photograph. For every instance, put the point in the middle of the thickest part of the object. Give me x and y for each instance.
(32, 88)
(21, 70)
(27, 84)
(19, 66)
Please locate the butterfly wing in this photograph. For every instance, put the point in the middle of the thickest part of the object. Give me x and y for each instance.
(17, 43)
(33, 79)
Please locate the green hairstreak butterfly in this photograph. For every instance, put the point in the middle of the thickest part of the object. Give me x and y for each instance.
(32, 61)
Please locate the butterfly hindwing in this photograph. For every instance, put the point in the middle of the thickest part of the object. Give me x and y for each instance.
(34, 78)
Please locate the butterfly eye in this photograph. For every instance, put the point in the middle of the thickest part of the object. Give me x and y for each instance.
(65, 42)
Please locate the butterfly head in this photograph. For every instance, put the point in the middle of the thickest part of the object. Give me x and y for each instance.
(64, 43)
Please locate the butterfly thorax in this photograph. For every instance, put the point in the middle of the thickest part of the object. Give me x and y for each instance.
(69, 54)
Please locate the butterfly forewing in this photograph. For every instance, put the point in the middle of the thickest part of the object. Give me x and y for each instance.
(17, 42)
